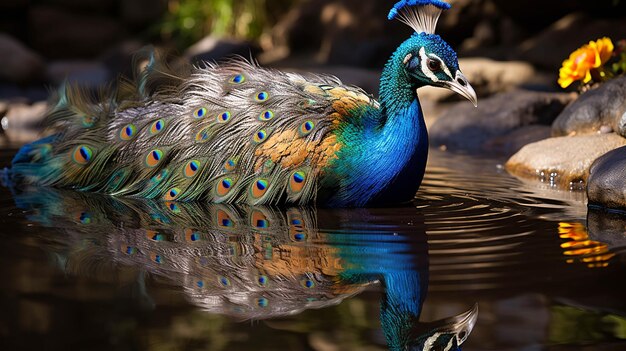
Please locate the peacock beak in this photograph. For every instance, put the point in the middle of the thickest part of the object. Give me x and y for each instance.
(461, 86)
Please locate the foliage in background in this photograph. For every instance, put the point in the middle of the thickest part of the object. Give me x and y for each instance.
(593, 63)
(188, 21)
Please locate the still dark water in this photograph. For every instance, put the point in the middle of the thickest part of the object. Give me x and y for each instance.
(86, 272)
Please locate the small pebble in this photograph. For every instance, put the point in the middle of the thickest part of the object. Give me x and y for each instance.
(604, 129)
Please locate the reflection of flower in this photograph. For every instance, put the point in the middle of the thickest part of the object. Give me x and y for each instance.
(581, 248)
(581, 62)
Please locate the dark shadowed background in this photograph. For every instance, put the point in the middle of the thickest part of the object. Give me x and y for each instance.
(511, 44)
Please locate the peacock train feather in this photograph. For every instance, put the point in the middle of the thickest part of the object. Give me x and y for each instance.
(239, 133)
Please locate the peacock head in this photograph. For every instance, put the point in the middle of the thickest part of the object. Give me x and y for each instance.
(425, 57)
(444, 335)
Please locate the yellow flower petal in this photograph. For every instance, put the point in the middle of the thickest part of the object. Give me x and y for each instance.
(580, 62)
(605, 49)
(587, 77)
(565, 82)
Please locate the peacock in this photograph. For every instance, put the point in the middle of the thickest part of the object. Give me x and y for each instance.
(239, 133)
(251, 262)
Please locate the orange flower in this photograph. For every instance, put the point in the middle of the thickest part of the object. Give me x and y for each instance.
(580, 63)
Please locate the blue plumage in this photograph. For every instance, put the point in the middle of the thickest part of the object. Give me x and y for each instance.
(238, 133)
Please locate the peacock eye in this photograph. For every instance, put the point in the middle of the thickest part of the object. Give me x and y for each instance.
(433, 65)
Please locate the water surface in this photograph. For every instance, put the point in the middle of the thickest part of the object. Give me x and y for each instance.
(83, 271)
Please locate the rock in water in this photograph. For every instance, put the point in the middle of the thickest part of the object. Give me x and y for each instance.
(562, 161)
(607, 180)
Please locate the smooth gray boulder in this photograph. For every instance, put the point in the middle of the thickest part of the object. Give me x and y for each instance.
(469, 129)
(596, 109)
(607, 180)
(607, 228)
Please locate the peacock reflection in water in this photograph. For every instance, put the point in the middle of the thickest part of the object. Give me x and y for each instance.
(253, 263)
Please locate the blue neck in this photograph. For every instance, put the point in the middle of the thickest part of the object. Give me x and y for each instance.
(386, 162)
(401, 266)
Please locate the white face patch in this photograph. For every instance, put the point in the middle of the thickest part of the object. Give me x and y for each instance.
(424, 64)
(428, 344)
(449, 346)
(407, 58)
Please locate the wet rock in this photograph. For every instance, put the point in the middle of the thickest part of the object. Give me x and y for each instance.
(607, 180)
(554, 44)
(607, 227)
(18, 63)
(85, 73)
(562, 161)
(21, 122)
(215, 49)
(466, 128)
(487, 78)
(604, 106)
(62, 34)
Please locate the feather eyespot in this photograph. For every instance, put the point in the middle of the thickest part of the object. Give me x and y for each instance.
(82, 155)
(259, 188)
(230, 165)
(173, 207)
(154, 157)
(224, 281)
(154, 235)
(202, 136)
(200, 112)
(172, 194)
(84, 218)
(262, 280)
(128, 132)
(306, 128)
(259, 220)
(238, 79)
(262, 96)
(157, 127)
(266, 115)
(89, 121)
(259, 136)
(299, 237)
(224, 220)
(191, 168)
(297, 181)
(262, 302)
(307, 283)
(191, 235)
(129, 250)
(159, 177)
(224, 186)
(223, 117)
(156, 258)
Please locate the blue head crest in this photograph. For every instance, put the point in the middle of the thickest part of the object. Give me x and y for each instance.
(421, 15)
